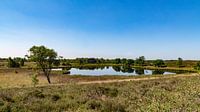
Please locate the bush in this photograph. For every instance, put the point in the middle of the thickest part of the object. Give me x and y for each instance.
(158, 63)
(21, 62)
(13, 63)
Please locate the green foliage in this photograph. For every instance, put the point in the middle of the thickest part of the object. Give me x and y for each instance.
(66, 64)
(12, 63)
(21, 62)
(179, 62)
(130, 61)
(117, 61)
(15, 62)
(123, 61)
(82, 61)
(88, 60)
(197, 66)
(140, 61)
(158, 63)
(56, 63)
(44, 57)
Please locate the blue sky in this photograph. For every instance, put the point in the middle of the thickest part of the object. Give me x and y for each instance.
(165, 29)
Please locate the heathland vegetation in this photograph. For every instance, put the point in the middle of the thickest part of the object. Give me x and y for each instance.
(25, 84)
(164, 94)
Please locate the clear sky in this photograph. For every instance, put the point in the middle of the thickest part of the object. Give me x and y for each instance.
(165, 29)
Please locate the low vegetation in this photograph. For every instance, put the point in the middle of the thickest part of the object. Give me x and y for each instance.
(173, 94)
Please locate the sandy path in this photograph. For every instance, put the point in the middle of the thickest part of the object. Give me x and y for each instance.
(112, 80)
(134, 79)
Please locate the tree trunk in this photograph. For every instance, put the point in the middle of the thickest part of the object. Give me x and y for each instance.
(48, 78)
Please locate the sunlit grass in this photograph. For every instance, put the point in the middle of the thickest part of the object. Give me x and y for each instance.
(165, 94)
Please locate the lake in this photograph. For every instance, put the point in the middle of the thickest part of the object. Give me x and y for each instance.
(116, 70)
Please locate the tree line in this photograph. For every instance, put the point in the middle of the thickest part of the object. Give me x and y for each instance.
(140, 61)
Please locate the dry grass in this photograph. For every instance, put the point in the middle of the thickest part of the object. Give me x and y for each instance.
(15, 78)
(11, 78)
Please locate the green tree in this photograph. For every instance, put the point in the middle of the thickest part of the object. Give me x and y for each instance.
(21, 62)
(117, 61)
(80, 61)
(179, 62)
(56, 63)
(130, 61)
(44, 58)
(158, 63)
(140, 61)
(123, 61)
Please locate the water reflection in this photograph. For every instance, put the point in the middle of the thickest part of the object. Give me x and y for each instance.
(117, 68)
(158, 72)
(139, 71)
(113, 70)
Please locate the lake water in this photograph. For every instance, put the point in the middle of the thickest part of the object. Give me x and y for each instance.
(114, 71)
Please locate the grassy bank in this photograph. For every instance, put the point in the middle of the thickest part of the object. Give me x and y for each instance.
(169, 94)
(170, 69)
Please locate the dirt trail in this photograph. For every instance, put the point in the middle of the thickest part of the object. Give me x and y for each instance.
(134, 79)
(111, 81)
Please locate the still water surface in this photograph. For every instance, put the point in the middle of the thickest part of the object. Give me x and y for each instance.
(115, 71)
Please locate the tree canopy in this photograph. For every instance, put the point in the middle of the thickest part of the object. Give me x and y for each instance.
(158, 63)
(179, 62)
(140, 61)
(44, 58)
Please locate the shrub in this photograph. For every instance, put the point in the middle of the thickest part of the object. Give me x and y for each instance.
(158, 63)
(35, 80)
(13, 63)
(179, 62)
(21, 62)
